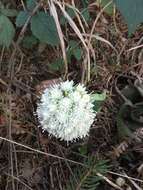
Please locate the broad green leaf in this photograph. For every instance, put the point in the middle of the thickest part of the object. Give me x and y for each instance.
(131, 93)
(73, 44)
(85, 13)
(139, 87)
(75, 49)
(99, 97)
(77, 53)
(9, 12)
(83, 149)
(21, 18)
(57, 65)
(7, 31)
(85, 3)
(31, 4)
(97, 100)
(44, 28)
(109, 9)
(29, 41)
(122, 127)
(132, 11)
(129, 117)
(71, 13)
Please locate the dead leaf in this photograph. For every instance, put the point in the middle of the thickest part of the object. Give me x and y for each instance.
(17, 128)
(2, 120)
(45, 84)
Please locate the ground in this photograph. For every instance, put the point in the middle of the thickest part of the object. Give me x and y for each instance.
(30, 159)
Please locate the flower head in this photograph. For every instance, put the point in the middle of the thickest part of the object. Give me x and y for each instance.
(66, 111)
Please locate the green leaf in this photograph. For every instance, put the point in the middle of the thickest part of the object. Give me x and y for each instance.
(21, 18)
(1, 5)
(44, 28)
(85, 13)
(131, 93)
(85, 178)
(132, 12)
(73, 44)
(98, 99)
(129, 117)
(75, 49)
(71, 13)
(57, 65)
(31, 4)
(77, 53)
(29, 41)
(85, 3)
(83, 149)
(9, 12)
(109, 9)
(122, 127)
(7, 31)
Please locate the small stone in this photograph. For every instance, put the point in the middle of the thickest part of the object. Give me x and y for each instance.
(129, 188)
(140, 169)
(120, 181)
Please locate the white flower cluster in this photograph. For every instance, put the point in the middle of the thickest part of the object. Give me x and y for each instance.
(66, 111)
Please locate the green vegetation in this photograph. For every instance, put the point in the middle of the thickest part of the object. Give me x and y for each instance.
(97, 43)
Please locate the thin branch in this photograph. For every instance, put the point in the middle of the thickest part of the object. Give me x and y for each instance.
(78, 33)
(122, 175)
(41, 152)
(20, 37)
(16, 178)
(96, 20)
(109, 181)
(61, 36)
